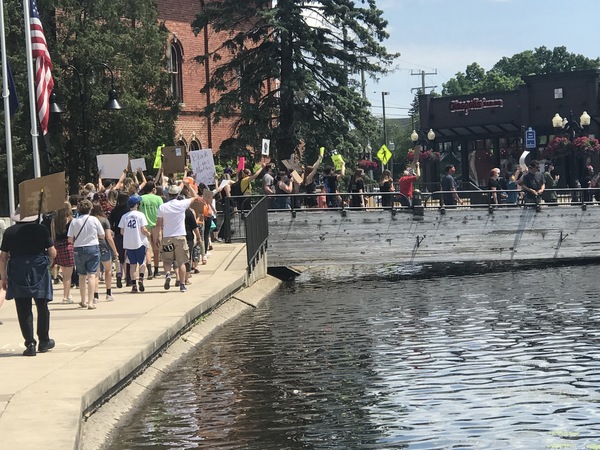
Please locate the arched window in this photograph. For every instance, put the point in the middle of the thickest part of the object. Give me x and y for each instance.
(175, 73)
(194, 145)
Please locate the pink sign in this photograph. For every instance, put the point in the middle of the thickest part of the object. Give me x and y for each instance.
(241, 163)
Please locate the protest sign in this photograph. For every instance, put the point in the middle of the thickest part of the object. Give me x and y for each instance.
(203, 166)
(173, 159)
(112, 165)
(138, 164)
(266, 144)
(50, 188)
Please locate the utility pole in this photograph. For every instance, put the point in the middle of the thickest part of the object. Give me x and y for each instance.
(422, 74)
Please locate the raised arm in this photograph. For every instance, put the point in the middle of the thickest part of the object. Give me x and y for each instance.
(313, 172)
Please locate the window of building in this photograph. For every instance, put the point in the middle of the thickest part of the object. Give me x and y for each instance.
(175, 61)
(194, 145)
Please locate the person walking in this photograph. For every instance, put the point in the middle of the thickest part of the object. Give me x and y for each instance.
(135, 241)
(26, 253)
(172, 235)
(149, 207)
(84, 233)
(64, 249)
(450, 187)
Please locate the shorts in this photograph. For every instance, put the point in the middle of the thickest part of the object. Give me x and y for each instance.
(87, 259)
(106, 254)
(137, 256)
(174, 249)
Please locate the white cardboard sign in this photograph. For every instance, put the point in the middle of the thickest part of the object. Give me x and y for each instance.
(138, 164)
(111, 166)
(203, 165)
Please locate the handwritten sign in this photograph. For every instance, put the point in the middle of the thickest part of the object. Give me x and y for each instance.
(111, 166)
(522, 160)
(203, 165)
(138, 164)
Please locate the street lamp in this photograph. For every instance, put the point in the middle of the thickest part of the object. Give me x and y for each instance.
(422, 139)
(112, 104)
(571, 130)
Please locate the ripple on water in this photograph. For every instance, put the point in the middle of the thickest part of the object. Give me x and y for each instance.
(500, 360)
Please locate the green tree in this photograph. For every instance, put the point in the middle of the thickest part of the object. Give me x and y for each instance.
(312, 50)
(128, 38)
(506, 74)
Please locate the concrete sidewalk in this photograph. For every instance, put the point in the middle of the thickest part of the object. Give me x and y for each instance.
(43, 398)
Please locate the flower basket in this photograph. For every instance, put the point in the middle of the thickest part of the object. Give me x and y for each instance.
(424, 157)
(367, 165)
(561, 146)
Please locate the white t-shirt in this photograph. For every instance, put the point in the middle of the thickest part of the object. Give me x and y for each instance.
(131, 224)
(92, 230)
(173, 216)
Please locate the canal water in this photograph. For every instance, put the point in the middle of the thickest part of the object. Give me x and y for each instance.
(490, 361)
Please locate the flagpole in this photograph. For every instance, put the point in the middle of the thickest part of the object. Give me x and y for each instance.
(37, 172)
(6, 98)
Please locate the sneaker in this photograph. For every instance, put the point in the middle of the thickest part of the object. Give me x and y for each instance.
(91, 306)
(43, 347)
(134, 289)
(119, 282)
(167, 285)
(155, 273)
(109, 298)
(141, 286)
(150, 276)
(30, 350)
(96, 300)
(67, 301)
(177, 283)
(56, 281)
(182, 288)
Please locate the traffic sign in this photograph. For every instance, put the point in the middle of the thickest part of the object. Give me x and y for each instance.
(384, 154)
(530, 138)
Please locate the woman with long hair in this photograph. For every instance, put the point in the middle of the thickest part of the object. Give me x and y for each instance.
(108, 252)
(64, 249)
(386, 184)
(357, 188)
(119, 211)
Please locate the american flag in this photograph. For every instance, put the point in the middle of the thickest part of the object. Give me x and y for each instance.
(43, 65)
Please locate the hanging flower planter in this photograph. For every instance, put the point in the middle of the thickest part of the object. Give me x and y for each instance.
(561, 146)
(366, 165)
(426, 156)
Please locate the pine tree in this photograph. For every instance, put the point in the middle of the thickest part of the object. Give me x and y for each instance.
(294, 68)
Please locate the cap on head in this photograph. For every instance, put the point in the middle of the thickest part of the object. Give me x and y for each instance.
(134, 200)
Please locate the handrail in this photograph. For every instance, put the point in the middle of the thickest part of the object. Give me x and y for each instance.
(573, 196)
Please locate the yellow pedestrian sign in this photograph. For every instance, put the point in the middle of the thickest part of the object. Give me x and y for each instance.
(384, 154)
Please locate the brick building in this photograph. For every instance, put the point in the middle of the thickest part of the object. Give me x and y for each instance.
(192, 130)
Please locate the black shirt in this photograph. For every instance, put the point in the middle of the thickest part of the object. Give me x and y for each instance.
(26, 239)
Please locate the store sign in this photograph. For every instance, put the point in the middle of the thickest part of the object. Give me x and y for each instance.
(476, 103)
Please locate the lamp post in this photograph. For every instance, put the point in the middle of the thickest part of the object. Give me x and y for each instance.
(112, 104)
(385, 141)
(571, 130)
(422, 139)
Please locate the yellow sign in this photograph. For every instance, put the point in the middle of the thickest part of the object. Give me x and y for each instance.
(384, 154)
(158, 157)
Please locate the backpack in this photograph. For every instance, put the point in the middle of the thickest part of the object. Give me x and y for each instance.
(236, 189)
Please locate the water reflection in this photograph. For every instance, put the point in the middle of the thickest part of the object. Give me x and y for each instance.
(497, 360)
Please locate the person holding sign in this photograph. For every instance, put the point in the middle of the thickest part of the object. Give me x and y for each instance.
(25, 255)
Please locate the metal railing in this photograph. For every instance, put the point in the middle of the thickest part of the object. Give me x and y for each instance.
(257, 232)
(236, 226)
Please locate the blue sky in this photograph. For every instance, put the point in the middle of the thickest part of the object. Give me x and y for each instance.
(447, 35)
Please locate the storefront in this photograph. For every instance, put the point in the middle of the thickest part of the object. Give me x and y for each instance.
(482, 131)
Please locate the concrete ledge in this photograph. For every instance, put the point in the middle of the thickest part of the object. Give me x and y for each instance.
(99, 351)
(103, 425)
